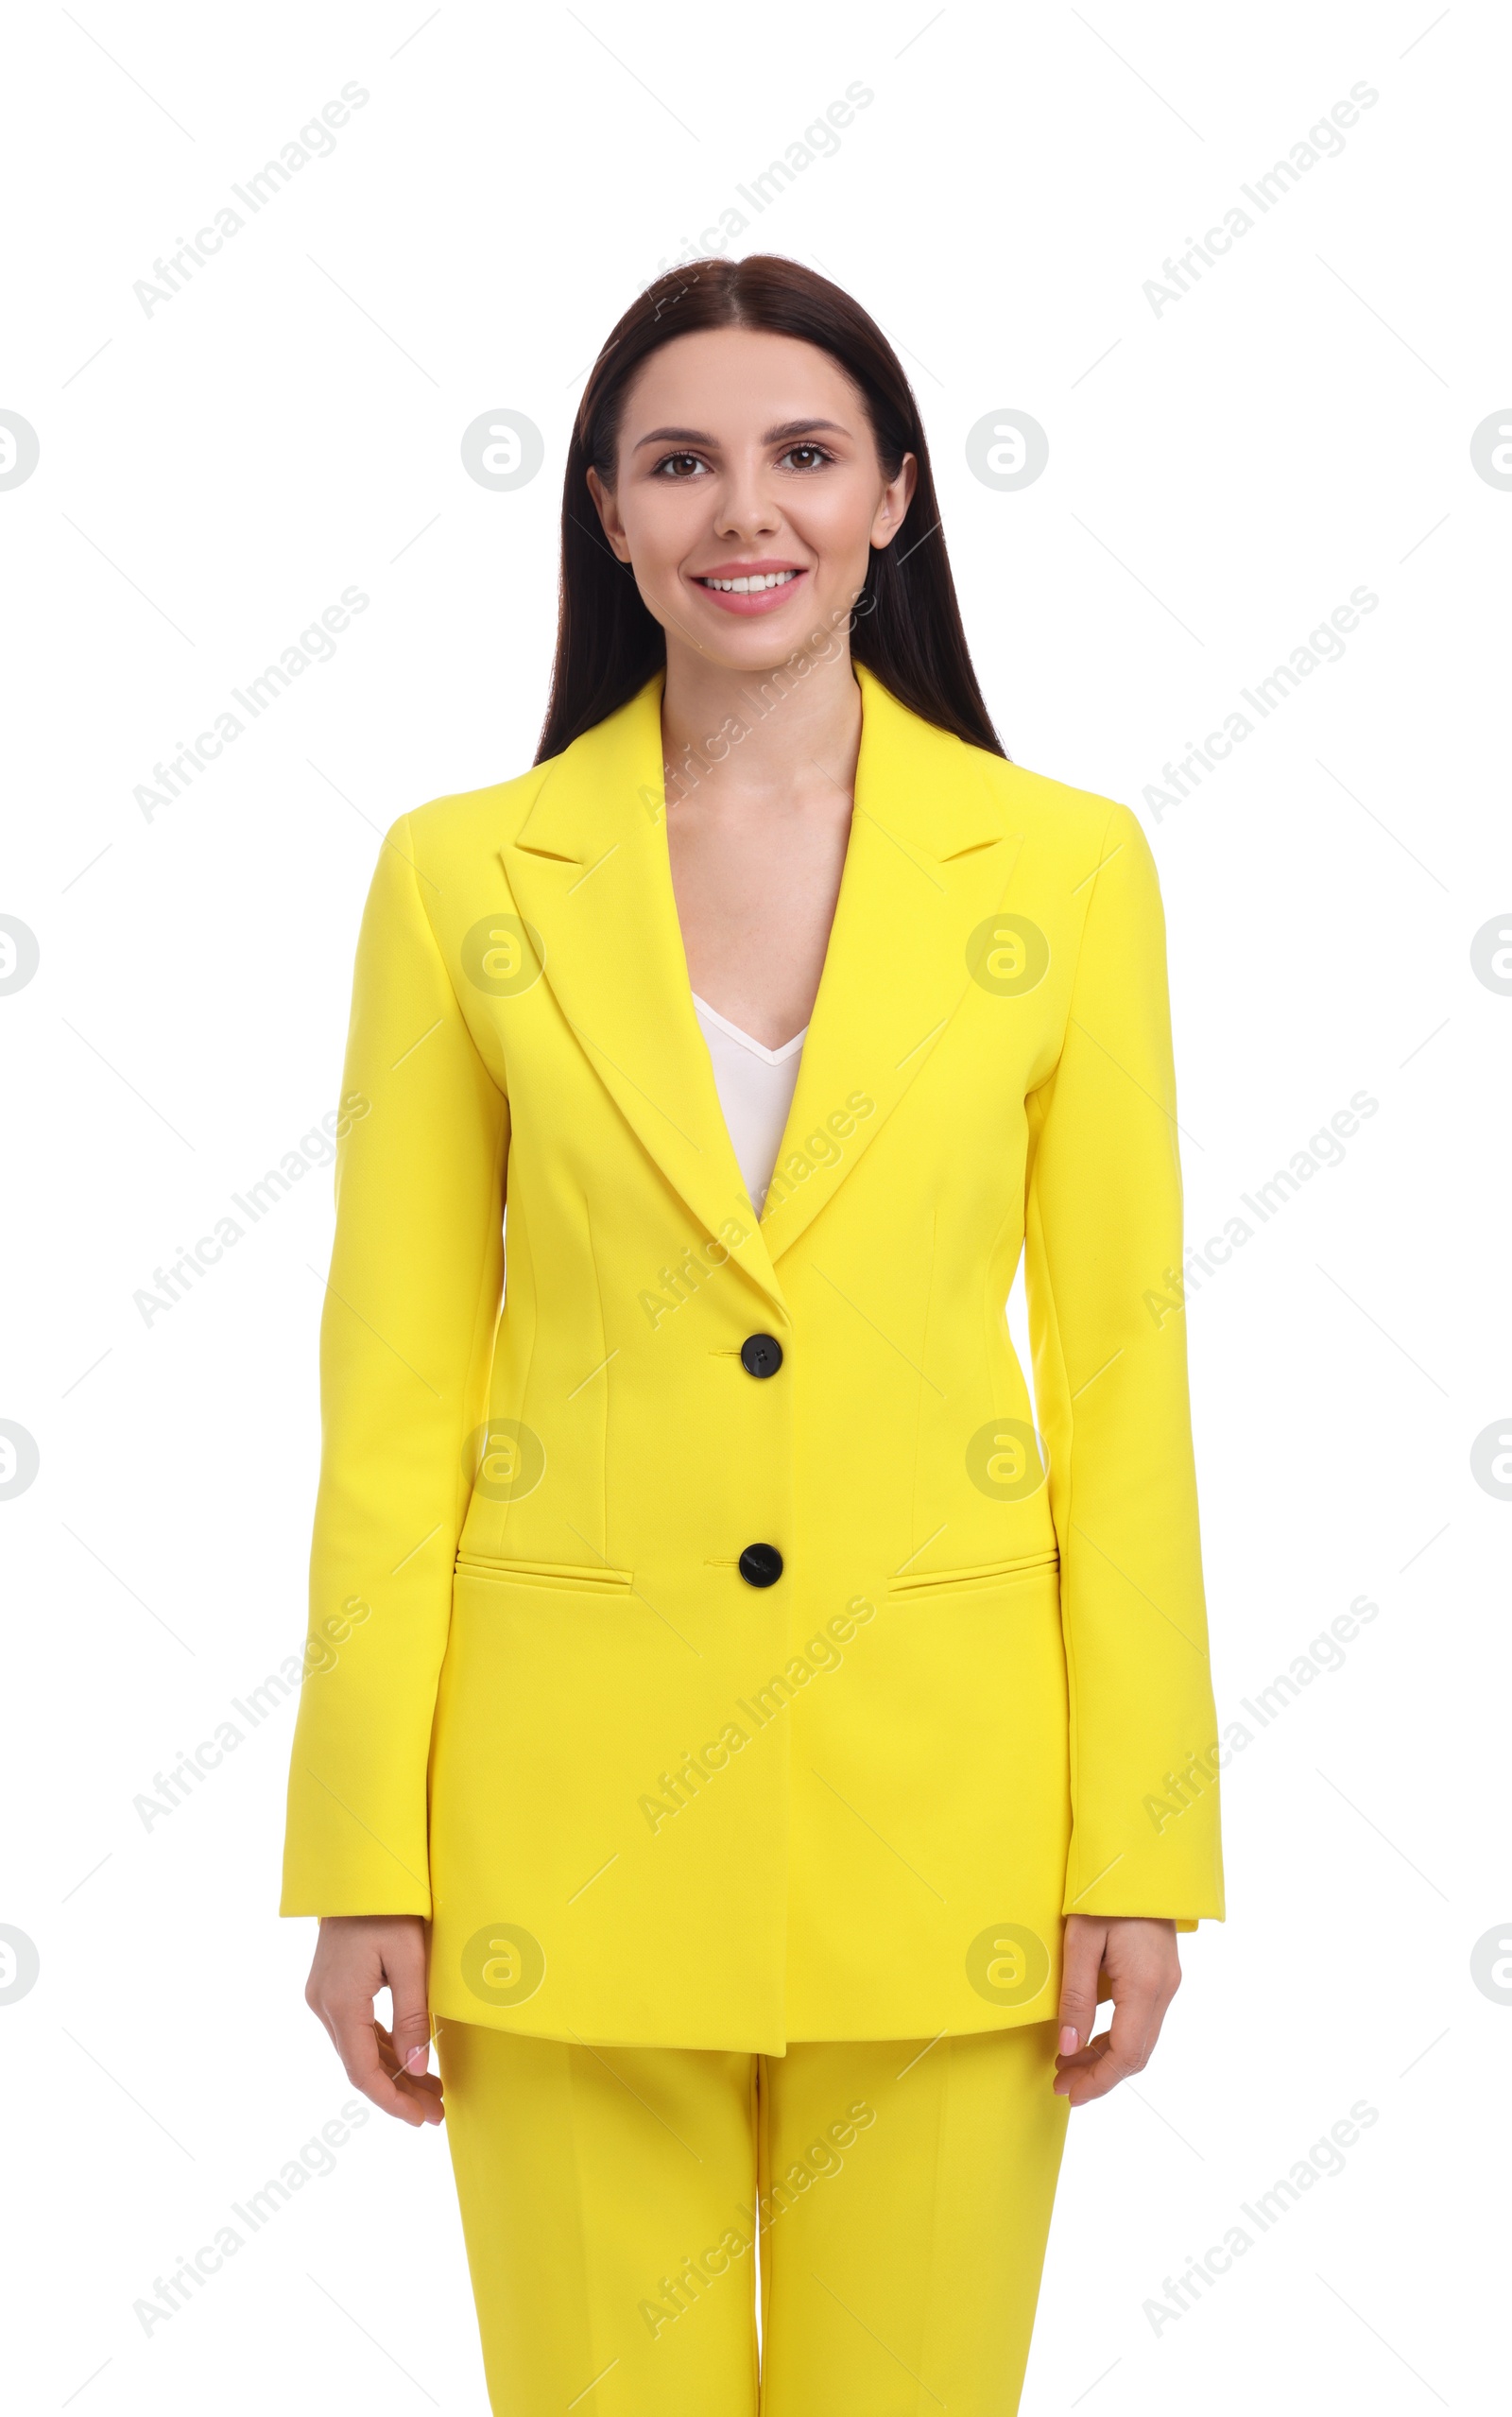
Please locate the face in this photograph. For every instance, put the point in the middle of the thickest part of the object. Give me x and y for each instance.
(745, 456)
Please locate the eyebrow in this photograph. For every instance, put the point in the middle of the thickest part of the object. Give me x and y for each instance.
(788, 428)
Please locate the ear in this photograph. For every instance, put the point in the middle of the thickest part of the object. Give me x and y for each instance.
(897, 496)
(607, 512)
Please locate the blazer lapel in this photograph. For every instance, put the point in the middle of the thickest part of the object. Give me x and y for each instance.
(589, 870)
(929, 859)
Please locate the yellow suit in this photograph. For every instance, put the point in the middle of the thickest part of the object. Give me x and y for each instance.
(643, 1798)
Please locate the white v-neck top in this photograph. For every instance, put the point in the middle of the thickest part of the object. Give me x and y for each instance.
(755, 1086)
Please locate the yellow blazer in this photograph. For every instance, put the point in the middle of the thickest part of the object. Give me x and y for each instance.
(641, 1797)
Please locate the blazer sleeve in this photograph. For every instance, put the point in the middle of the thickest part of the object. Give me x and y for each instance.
(1102, 1276)
(407, 1337)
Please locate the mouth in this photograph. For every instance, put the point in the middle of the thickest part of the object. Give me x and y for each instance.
(752, 592)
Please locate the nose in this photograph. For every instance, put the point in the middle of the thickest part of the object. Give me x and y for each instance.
(747, 507)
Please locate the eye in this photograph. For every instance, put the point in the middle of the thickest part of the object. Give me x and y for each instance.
(668, 458)
(816, 453)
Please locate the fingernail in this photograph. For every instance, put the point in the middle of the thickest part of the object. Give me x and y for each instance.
(417, 2059)
(1068, 2040)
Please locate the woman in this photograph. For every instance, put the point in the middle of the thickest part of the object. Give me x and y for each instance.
(749, 1734)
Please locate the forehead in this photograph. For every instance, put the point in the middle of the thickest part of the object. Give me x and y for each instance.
(735, 381)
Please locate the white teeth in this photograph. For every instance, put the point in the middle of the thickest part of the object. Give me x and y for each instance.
(752, 586)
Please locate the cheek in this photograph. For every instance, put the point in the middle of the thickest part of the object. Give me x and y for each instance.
(835, 517)
(664, 527)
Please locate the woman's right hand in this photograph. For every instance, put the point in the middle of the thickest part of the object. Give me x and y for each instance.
(357, 1955)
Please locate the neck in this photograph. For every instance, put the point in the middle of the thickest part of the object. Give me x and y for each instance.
(734, 738)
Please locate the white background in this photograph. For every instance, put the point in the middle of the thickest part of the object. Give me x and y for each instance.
(1221, 475)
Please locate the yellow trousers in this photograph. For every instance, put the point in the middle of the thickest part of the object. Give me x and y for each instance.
(613, 2198)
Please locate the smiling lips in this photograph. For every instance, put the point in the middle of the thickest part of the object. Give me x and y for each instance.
(749, 587)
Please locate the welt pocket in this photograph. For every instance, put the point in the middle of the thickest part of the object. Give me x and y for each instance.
(979, 1580)
(559, 1577)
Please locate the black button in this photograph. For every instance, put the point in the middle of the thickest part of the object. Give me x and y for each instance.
(761, 1355)
(761, 1565)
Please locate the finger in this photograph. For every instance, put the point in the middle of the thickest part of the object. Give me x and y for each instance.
(1139, 2009)
(1073, 2072)
(1083, 1955)
(1125, 2046)
(1079, 2082)
(423, 2089)
(404, 1971)
(351, 2026)
(1084, 2058)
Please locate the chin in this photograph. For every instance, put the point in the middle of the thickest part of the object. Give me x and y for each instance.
(767, 644)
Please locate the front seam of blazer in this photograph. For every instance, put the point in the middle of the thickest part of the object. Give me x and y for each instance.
(639, 1798)
(1042, 1097)
(1056, 1358)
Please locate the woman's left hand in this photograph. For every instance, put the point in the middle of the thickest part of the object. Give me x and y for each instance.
(1143, 1974)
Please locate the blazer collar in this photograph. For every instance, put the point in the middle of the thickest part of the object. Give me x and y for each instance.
(929, 856)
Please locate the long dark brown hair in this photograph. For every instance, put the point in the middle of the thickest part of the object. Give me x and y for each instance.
(905, 625)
